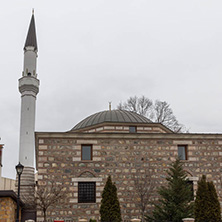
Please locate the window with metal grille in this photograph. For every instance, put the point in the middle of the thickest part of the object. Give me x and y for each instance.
(86, 192)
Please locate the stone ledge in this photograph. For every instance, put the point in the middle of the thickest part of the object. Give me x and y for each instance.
(188, 220)
(94, 179)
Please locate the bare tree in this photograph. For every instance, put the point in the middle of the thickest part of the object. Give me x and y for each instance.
(45, 197)
(162, 113)
(144, 189)
(141, 105)
(159, 112)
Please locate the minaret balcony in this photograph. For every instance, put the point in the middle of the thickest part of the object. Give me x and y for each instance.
(29, 83)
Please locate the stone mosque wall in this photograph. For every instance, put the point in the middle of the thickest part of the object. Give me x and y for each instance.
(123, 156)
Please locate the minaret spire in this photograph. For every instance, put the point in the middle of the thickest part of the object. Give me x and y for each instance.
(30, 51)
(31, 39)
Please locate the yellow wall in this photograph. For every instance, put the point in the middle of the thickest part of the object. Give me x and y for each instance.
(7, 209)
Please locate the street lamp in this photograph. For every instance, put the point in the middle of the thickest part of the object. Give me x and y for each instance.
(19, 169)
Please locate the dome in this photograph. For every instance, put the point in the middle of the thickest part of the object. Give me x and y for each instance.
(111, 116)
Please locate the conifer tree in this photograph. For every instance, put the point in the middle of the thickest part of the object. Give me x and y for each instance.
(215, 211)
(201, 201)
(174, 203)
(207, 206)
(110, 208)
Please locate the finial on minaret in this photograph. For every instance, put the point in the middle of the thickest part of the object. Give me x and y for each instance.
(33, 11)
(110, 103)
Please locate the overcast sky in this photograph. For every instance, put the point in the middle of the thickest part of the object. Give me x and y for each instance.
(95, 51)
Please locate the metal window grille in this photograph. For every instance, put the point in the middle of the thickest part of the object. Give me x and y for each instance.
(86, 192)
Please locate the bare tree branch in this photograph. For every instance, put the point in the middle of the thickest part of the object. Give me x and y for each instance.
(164, 114)
(45, 197)
(159, 112)
(138, 105)
(144, 189)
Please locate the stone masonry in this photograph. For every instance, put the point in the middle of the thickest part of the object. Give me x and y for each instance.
(7, 209)
(8, 206)
(122, 156)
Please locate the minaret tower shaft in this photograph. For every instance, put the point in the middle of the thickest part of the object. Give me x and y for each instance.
(29, 88)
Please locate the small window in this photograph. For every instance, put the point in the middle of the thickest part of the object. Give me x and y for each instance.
(182, 152)
(132, 129)
(86, 152)
(86, 192)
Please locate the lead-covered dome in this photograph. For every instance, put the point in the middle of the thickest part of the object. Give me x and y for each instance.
(111, 116)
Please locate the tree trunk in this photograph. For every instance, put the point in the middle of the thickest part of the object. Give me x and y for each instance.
(44, 213)
(142, 219)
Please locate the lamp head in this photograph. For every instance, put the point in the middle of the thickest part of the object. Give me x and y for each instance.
(19, 168)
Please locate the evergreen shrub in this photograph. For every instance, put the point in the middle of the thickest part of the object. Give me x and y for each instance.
(110, 207)
(207, 205)
(174, 203)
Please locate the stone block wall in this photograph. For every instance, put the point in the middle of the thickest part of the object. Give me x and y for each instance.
(123, 157)
(27, 185)
(7, 209)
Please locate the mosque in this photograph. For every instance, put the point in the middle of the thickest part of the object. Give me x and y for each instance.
(119, 143)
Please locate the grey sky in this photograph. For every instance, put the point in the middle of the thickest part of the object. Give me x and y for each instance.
(92, 52)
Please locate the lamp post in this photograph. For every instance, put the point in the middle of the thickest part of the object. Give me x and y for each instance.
(19, 169)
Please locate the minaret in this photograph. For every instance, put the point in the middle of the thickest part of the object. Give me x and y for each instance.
(29, 88)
